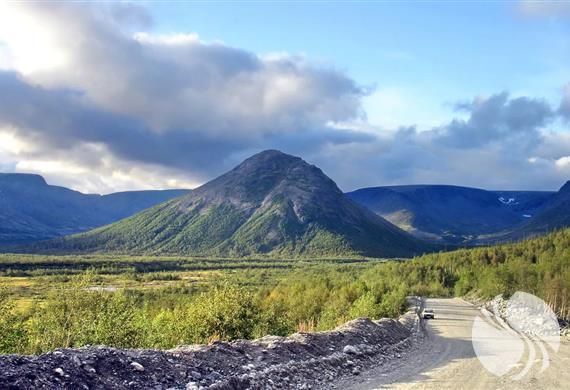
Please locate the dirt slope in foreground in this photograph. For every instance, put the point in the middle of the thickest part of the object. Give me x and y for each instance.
(302, 360)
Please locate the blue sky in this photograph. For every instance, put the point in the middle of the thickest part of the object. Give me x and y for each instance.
(108, 96)
(434, 52)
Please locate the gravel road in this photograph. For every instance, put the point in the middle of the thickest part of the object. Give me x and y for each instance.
(446, 359)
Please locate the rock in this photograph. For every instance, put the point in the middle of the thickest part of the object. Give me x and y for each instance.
(59, 371)
(312, 361)
(90, 369)
(350, 350)
(192, 386)
(215, 376)
(137, 366)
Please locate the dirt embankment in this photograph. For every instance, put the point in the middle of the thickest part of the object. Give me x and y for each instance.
(302, 361)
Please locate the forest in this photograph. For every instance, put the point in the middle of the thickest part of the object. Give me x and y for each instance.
(49, 302)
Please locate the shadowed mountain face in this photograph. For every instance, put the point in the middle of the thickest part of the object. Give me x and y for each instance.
(272, 203)
(32, 210)
(552, 216)
(450, 214)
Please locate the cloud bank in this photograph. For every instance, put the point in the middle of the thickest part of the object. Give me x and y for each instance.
(91, 99)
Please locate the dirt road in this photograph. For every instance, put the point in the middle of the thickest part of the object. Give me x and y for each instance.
(446, 359)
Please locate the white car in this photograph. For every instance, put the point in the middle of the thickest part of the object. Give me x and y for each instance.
(428, 313)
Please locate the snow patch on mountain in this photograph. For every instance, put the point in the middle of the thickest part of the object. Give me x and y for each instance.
(508, 201)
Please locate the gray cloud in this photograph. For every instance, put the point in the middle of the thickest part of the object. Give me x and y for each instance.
(182, 82)
(152, 106)
(502, 142)
(497, 118)
(172, 101)
(58, 119)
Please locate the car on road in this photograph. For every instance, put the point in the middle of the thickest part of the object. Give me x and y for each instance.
(428, 313)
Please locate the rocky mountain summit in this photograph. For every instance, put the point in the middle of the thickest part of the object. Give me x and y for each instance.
(271, 204)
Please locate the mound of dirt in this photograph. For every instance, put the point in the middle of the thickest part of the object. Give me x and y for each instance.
(300, 361)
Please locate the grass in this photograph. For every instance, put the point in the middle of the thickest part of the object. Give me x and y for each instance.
(49, 302)
(32, 277)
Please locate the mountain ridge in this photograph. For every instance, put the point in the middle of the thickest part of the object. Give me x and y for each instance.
(553, 216)
(451, 214)
(32, 210)
(271, 204)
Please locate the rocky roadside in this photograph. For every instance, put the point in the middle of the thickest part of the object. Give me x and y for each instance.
(525, 318)
(300, 361)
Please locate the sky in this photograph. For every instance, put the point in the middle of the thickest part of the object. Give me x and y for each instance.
(112, 96)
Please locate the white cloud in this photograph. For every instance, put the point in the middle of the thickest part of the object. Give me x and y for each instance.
(9, 143)
(563, 162)
(176, 80)
(89, 168)
(30, 44)
(390, 107)
(166, 100)
(100, 108)
(167, 39)
(549, 8)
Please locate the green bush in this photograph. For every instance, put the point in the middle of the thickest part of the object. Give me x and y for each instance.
(12, 334)
(226, 312)
(265, 296)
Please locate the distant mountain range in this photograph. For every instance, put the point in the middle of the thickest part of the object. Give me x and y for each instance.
(277, 205)
(467, 216)
(271, 204)
(32, 210)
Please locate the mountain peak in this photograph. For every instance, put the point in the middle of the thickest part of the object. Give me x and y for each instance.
(270, 203)
(22, 178)
(565, 189)
(271, 153)
(270, 158)
(264, 175)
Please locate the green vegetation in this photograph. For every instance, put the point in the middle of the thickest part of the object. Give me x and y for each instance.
(272, 205)
(161, 302)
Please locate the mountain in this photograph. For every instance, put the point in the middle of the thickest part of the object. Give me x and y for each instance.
(552, 216)
(272, 203)
(451, 214)
(32, 210)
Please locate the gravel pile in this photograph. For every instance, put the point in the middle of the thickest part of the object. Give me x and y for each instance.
(528, 315)
(300, 361)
